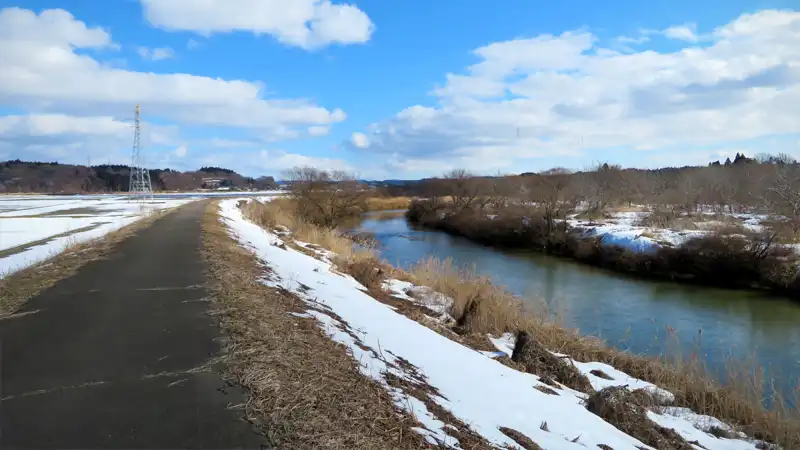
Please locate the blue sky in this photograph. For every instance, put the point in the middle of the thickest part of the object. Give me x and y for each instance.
(399, 89)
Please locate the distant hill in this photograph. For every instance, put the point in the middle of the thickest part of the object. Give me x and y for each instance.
(52, 177)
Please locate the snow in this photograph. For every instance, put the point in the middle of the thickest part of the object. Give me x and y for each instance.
(481, 392)
(505, 346)
(19, 224)
(422, 295)
(622, 231)
(693, 427)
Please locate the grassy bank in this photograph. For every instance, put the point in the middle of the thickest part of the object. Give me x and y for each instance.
(479, 307)
(721, 258)
(304, 391)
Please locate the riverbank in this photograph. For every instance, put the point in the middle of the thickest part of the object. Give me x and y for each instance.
(723, 258)
(479, 308)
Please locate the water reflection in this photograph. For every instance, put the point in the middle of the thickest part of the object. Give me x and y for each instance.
(639, 315)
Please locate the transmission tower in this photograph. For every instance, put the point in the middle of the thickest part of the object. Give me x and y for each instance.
(140, 187)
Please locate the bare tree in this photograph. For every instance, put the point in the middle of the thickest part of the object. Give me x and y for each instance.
(553, 196)
(463, 188)
(783, 194)
(325, 198)
(602, 186)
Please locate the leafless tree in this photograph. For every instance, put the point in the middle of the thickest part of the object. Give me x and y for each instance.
(552, 195)
(783, 194)
(325, 198)
(463, 188)
(602, 186)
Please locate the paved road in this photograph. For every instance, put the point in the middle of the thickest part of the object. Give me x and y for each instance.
(115, 357)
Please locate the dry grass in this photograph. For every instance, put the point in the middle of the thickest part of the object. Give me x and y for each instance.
(387, 203)
(277, 215)
(19, 287)
(387, 215)
(480, 307)
(622, 408)
(306, 392)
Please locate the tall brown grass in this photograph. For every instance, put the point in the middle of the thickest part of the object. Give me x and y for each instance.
(388, 203)
(481, 307)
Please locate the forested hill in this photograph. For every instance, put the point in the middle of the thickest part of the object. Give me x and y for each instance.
(46, 177)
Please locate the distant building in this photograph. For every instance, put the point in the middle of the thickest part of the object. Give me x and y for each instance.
(212, 183)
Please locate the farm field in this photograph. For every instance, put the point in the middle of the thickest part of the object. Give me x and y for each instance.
(36, 227)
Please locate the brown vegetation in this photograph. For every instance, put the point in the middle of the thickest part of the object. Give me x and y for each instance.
(624, 409)
(305, 392)
(724, 258)
(737, 401)
(539, 361)
(325, 198)
(388, 203)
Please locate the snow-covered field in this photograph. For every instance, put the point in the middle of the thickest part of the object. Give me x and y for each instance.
(36, 227)
(621, 230)
(479, 391)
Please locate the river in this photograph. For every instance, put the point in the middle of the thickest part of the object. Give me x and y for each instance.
(642, 316)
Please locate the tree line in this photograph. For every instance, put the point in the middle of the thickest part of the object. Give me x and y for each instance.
(768, 184)
(52, 177)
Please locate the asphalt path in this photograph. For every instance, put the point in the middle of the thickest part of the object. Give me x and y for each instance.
(121, 354)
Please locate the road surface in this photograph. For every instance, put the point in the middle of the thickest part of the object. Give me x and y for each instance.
(118, 355)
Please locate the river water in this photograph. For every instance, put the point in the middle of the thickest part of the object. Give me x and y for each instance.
(642, 316)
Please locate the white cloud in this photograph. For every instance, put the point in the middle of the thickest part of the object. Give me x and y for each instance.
(565, 95)
(303, 23)
(682, 32)
(53, 27)
(156, 54)
(60, 124)
(72, 139)
(281, 160)
(181, 151)
(43, 72)
(359, 140)
(318, 131)
(191, 44)
(271, 162)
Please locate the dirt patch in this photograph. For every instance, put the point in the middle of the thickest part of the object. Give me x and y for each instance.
(539, 361)
(617, 406)
(521, 440)
(24, 284)
(305, 390)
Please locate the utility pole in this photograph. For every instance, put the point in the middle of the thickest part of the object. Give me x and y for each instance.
(140, 187)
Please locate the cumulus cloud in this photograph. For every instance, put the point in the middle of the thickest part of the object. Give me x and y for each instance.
(359, 140)
(567, 95)
(43, 71)
(73, 139)
(156, 54)
(303, 23)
